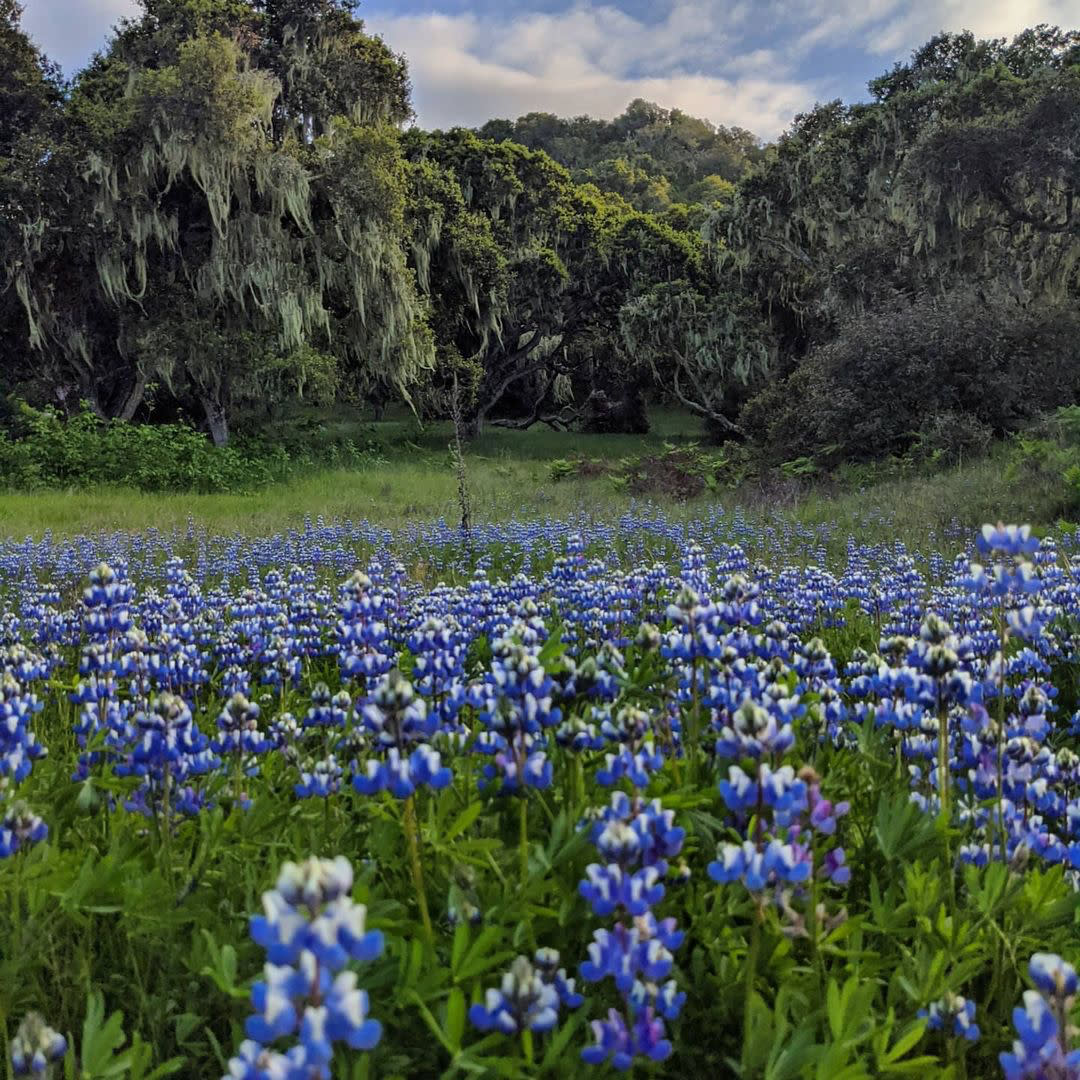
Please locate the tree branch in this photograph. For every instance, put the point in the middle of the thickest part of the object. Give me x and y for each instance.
(703, 410)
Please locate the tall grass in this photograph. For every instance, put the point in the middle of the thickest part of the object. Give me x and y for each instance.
(413, 478)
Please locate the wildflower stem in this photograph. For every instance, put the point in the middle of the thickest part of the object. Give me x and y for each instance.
(579, 780)
(166, 826)
(1001, 734)
(815, 935)
(527, 1045)
(751, 972)
(692, 720)
(523, 839)
(944, 795)
(412, 834)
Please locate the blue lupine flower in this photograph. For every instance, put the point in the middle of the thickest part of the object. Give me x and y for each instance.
(400, 775)
(620, 1045)
(632, 829)
(1052, 975)
(400, 724)
(253, 1061)
(238, 724)
(1006, 540)
(19, 746)
(167, 749)
(627, 952)
(1037, 1053)
(753, 731)
(310, 911)
(608, 888)
(35, 1046)
(319, 779)
(524, 1001)
(756, 868)
(953, 1013)
(107, 600)
(547, 964)
(310, 930)
(20, 829)
(327, 710)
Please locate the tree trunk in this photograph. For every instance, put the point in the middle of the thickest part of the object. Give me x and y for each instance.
(216, 422)
(134, 399)
(471, 426)
(93, 399)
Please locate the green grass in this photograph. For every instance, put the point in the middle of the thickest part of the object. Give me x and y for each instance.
(991, 488)
(411, 477)
(389, 494)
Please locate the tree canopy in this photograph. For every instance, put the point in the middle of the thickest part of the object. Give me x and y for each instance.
(958, 179)
(228, 208)
(241, 170)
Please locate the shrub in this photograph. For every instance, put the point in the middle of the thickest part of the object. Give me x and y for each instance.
(46, 450)
(940, 372)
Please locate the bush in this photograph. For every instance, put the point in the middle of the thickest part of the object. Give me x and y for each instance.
(949, 436)
(941, 373)
(46, 450)
(679, 472)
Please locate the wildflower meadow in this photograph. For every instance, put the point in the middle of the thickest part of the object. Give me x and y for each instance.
(547, 799)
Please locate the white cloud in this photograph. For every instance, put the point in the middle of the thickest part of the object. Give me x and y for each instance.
(895, 27)
(593, 59)
(912, 25)
(745, 62)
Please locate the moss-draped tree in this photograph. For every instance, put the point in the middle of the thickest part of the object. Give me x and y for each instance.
(240, 170)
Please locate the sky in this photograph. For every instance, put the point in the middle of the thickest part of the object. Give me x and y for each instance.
(751, 63)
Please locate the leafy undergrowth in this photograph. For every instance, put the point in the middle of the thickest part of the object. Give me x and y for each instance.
(676, 473)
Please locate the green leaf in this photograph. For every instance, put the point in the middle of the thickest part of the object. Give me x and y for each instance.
(462, 822)
(455, 1018)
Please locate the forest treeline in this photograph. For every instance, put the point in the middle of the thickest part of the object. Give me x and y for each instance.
(228, 209)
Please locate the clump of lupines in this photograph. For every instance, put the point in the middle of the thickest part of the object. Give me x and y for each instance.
(168, 750)
(240, 739)
(515, 706)
(400, 730)
(36, 1047)
(107, 601)
(784, 809)
(19, 745)
(528, 998)
(363, 649)
(310, 929)
(313, 743)
(1005, 589)
(438, 646)
(20, 828)
(1042, 1022)
(954, 1015)
(635, 838)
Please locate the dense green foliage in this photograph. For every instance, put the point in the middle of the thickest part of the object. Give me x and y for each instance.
(918, 253)
(224, 212)
(979, 362)
(263, 230)
(45, 451)
(658, 159)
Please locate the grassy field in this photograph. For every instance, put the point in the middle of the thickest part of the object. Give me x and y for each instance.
(409, 475)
